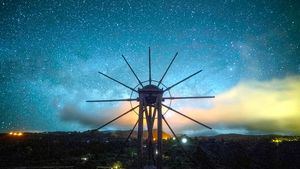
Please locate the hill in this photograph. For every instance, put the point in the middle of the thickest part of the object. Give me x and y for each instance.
(91, 149)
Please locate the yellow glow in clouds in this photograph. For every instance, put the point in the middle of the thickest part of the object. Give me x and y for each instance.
(262, 106)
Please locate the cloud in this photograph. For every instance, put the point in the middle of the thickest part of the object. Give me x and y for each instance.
(250, 107)
(91, 117)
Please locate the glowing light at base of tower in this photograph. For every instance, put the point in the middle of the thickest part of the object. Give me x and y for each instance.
(184, 140)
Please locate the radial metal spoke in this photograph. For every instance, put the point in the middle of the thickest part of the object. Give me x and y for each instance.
(118, 81)
(190, 97)
(186, 116)
(150, 78)
(133, 71)
(186, 153)
(182, 80)
(128, 137)
(113, 100)
(116, 118)
(167, 69)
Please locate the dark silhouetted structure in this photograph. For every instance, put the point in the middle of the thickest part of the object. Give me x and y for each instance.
(150, 98)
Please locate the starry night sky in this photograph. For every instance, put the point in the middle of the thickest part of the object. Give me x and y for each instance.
(249, 51)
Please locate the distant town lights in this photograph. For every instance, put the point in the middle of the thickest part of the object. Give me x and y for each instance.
(277, 141)
(15, 133)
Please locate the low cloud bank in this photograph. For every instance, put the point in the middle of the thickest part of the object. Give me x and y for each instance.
(250, 107)
(261, 107)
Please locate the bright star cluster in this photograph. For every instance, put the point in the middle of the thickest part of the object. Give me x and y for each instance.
(51, 51)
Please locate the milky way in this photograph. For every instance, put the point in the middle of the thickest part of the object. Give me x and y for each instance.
(51, 52)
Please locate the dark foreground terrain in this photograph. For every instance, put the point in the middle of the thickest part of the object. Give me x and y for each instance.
(99, 150)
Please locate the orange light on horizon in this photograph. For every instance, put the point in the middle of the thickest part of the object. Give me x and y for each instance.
(15, 133)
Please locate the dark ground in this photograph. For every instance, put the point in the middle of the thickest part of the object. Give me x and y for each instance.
(91, 149)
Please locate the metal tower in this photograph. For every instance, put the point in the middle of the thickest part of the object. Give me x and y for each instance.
(151, 98)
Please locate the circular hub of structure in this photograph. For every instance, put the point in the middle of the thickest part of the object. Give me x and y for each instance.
(150, 93)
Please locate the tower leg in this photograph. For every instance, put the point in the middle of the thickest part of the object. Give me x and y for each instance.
(150, 138)
(140, 136)
(159, 135)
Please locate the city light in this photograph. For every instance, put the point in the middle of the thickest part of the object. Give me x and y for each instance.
(117, 165)
(184, 140)
(276, 141)
(279, 140)
(84, 158)
(15, 134)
